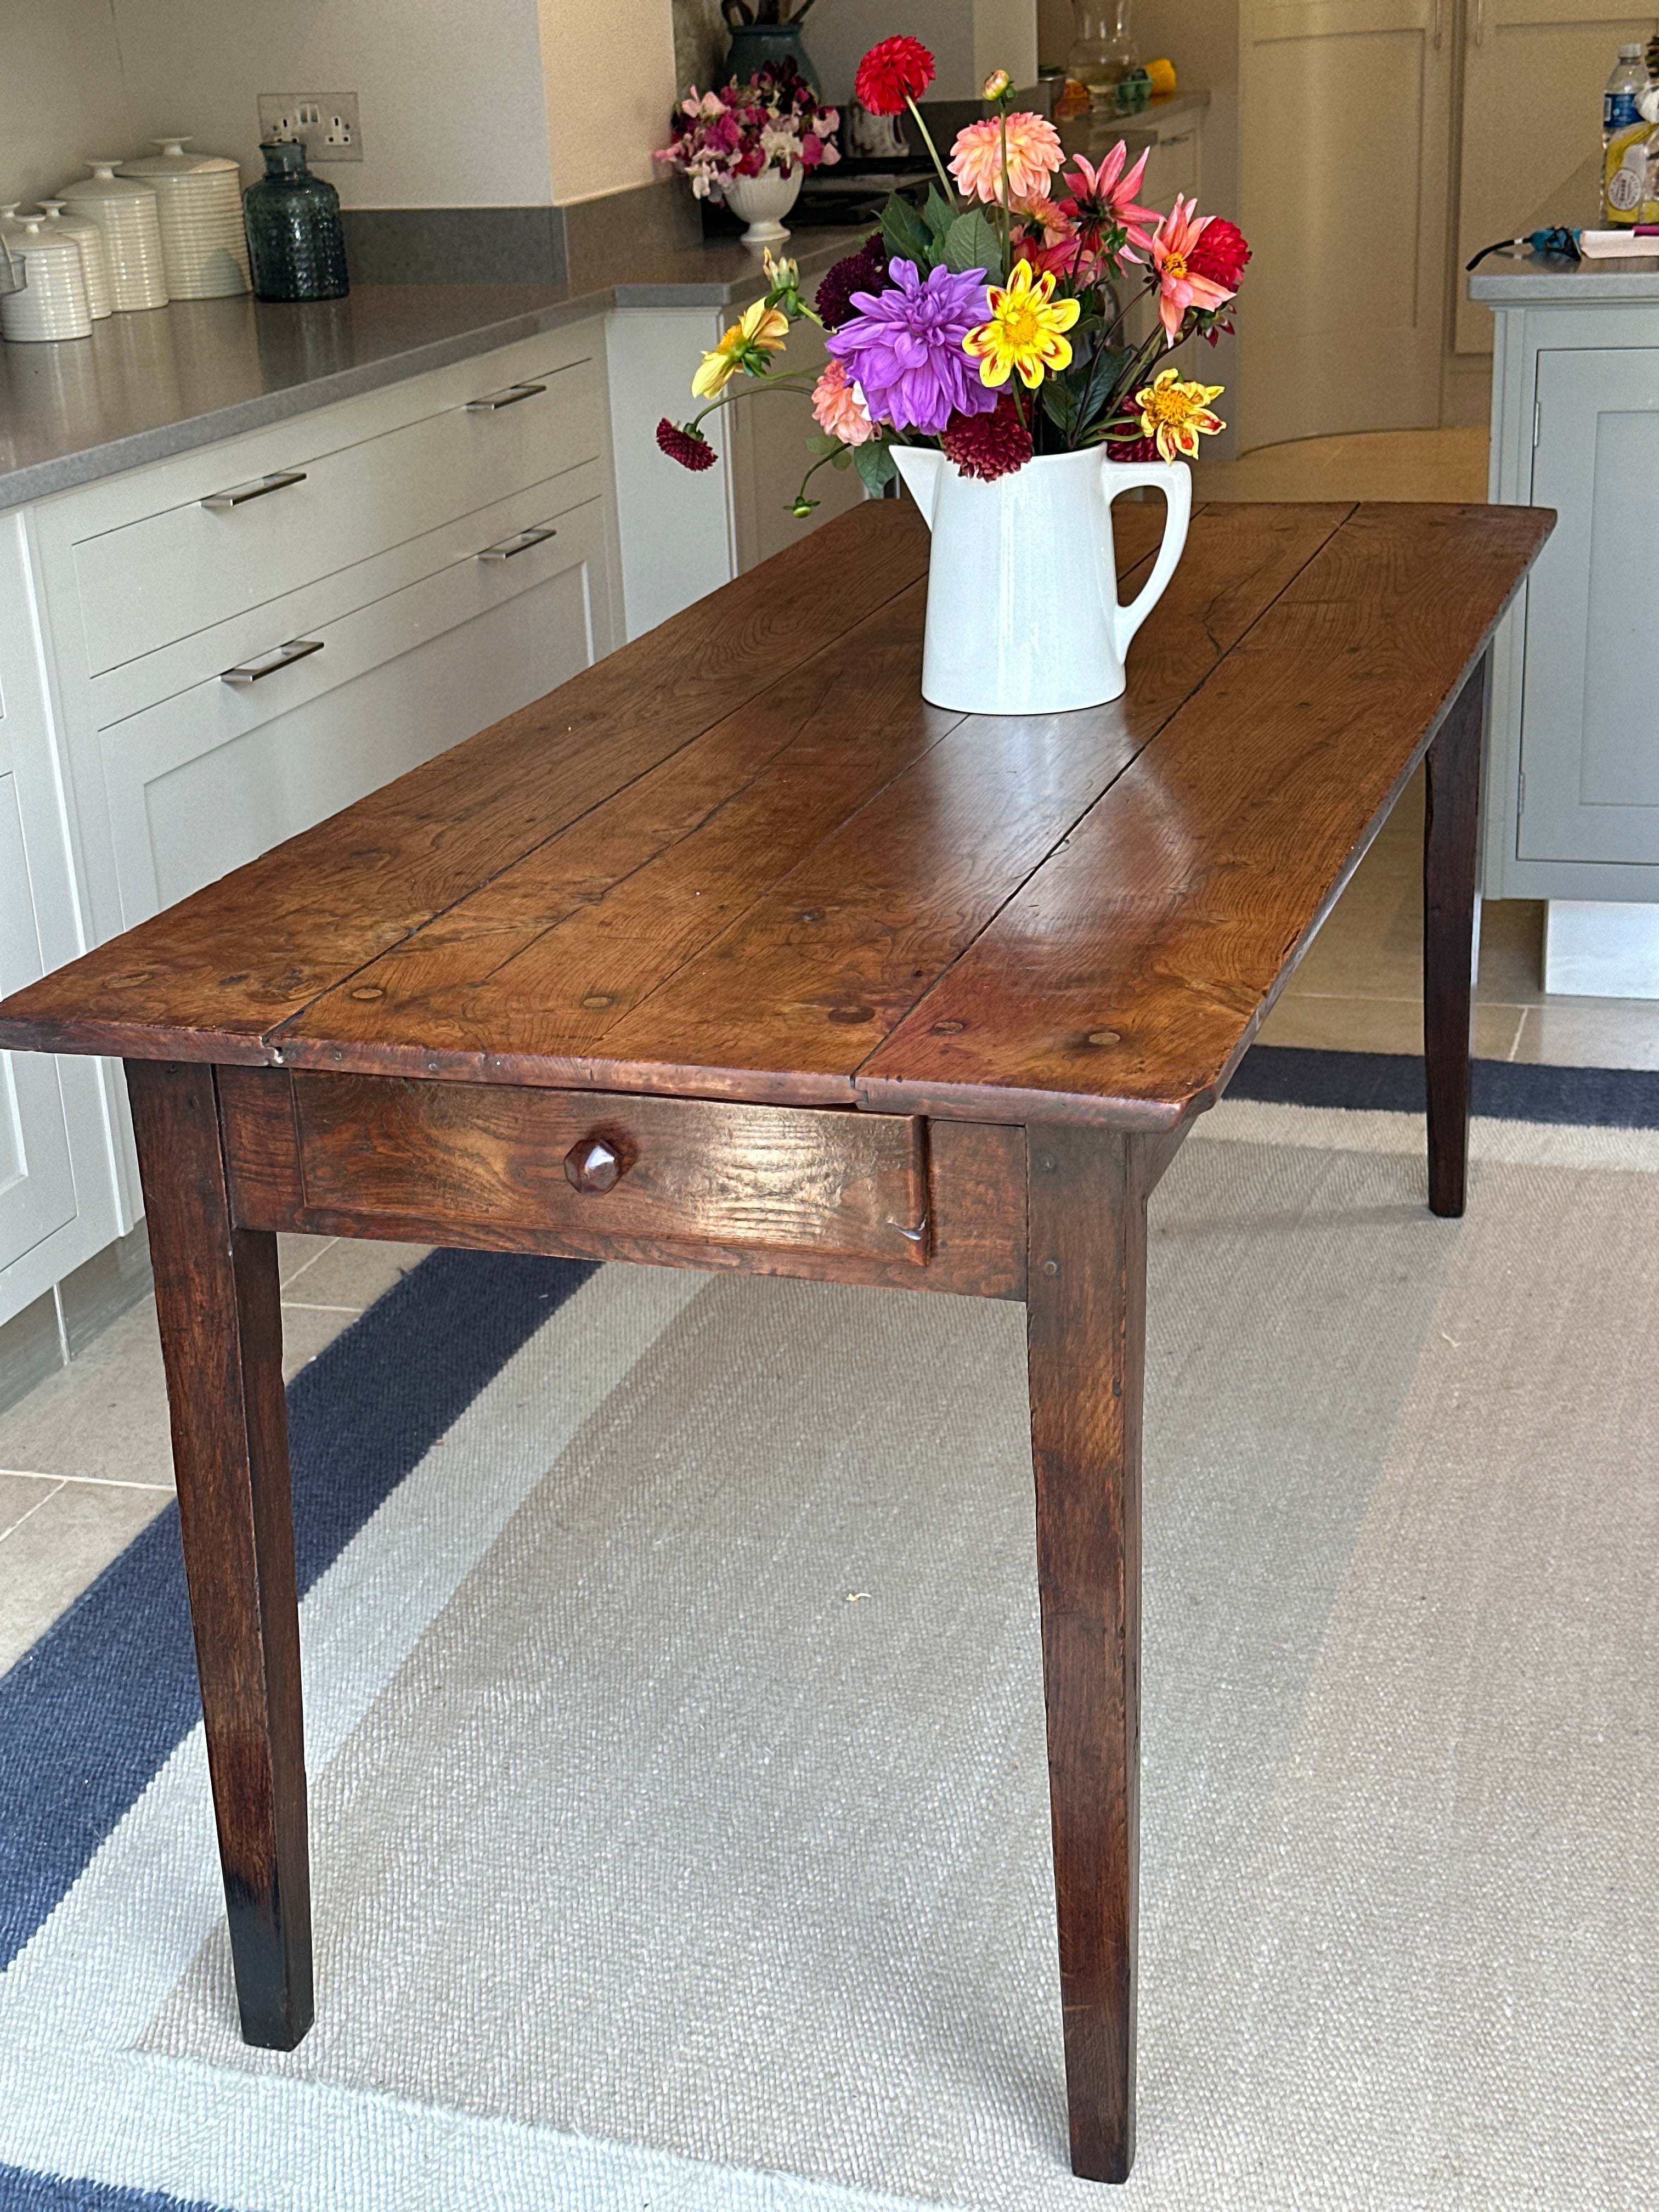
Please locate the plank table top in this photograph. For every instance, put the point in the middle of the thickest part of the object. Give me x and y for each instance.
(742, 859)
(735, 952)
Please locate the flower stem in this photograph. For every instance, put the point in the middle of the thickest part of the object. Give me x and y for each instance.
(783, 383)
(1007, 187)
(928, 141)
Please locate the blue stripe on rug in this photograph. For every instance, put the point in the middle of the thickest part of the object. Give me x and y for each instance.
(1393, 1083)
(91, 1714)
(48, 2192)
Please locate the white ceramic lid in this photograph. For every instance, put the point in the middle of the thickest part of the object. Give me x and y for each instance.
(173, 161)
(103, 183)
(34, 234)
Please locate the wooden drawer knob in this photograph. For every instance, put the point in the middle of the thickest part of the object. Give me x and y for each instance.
(593, 1164)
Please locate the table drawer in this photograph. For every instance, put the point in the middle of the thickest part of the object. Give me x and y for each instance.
(686, 1171)
(149, 582)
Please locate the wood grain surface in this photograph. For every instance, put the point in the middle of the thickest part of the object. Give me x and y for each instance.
(742, 859)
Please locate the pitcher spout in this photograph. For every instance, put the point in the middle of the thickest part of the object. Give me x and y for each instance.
(920, 467)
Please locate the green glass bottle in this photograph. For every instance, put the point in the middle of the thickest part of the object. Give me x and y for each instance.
(295, 243)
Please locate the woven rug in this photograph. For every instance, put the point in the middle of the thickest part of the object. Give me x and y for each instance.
(674, 1715)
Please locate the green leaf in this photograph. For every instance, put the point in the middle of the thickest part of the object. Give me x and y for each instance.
(874, 465)
(907, 237)
(820, 443)
(939, 215)
(1095, 395)
(843, 458)
(971, 243)
(1060, 404)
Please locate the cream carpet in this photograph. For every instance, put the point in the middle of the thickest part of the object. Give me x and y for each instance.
(683, 1840)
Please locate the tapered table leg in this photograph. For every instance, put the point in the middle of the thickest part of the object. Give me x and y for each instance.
(1085, 1317)
(216, 1298)
(1450, 858)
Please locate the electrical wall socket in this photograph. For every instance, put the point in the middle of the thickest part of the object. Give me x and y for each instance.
(325, 122)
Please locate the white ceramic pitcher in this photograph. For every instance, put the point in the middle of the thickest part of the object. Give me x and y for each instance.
(1023, 612)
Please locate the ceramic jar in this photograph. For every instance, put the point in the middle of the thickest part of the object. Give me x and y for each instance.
(53, 303)
(199, 199)
(94, 262)
(126, 211)
(1002, 637)
(762, 202)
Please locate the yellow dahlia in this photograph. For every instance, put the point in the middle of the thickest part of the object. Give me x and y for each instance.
(745, 346)
(1024, 330)
(1174, 413)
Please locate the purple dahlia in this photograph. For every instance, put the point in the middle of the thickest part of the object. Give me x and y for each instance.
(904, 348)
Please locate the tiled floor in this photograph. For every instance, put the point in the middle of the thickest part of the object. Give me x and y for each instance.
(84, 1459)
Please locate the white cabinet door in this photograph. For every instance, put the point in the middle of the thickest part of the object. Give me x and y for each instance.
(37, 1183)
(1590, 739)
(1344, 156)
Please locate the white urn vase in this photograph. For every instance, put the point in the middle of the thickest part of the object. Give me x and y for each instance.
(762, 202)
(1023, 612)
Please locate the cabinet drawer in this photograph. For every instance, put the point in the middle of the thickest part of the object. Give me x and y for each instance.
(213, 777)
(690, 1171)
(164, 577)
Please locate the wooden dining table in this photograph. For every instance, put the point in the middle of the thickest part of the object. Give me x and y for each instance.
(731, 952)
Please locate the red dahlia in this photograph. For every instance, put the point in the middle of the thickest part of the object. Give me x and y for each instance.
(893, 71)
(1133, 449)
(687, 446)
(1220, 253)
(988, 445)
(863, 271)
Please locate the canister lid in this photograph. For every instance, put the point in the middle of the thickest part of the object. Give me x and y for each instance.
(103, 183)
(173, 161)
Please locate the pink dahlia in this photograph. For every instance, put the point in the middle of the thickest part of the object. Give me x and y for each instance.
(904, 348)
(1105, 200)
(1180, 286)
(838, 408)
(1034, 154)
(894, 71)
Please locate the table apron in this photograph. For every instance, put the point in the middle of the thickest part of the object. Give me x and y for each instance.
(843, 1195)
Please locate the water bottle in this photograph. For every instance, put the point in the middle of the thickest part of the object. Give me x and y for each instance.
(1624, 159)
(1619, 108)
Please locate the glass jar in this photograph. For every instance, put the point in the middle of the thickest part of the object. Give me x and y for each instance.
(1103, 52)
(294, 241)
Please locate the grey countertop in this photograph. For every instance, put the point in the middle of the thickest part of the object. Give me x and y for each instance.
(143, 386)
(1519, 277)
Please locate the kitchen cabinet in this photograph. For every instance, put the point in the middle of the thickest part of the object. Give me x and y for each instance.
(1572, 783)
(235, 642)
(57, 1204)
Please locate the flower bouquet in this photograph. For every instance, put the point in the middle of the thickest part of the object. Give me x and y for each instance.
(739, 143)
(980, 345)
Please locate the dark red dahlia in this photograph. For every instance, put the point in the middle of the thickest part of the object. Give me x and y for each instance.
(988, 445)
(863, 271)
(687, 446)
(1220, 253)
(893, 71)
(1132, 449)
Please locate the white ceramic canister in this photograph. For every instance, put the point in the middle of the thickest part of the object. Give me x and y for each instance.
(198, 198)
(1023, 612)
(126, 211)
(53, 303)
(94, 259)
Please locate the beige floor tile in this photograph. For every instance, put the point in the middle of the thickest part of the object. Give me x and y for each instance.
(19, 1496)
(48, 1559)
(1512, 950)
(353, 1271)
(308, 1330)
(1591, 1033)
(1354, 1025)
(296, 1254)
(105, 1415)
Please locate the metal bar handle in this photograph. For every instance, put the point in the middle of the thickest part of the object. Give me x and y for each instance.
(489, 402)
(267, 664)
(221, 502)
(520, 543)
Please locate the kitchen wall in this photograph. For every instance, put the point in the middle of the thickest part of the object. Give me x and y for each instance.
(968, 39)
(465, 103)
(61, 91)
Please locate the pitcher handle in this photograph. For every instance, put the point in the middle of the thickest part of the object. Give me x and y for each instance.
(1175, 480)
